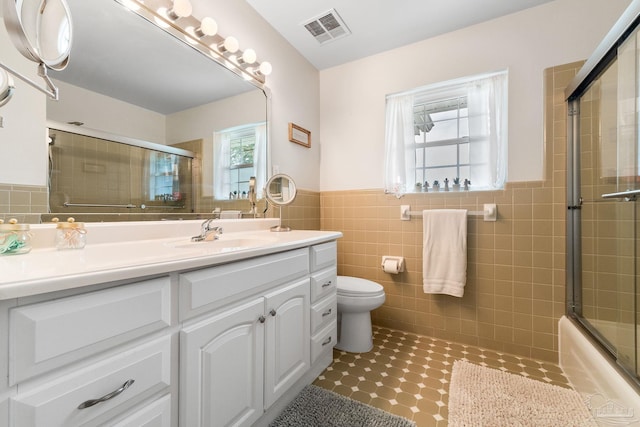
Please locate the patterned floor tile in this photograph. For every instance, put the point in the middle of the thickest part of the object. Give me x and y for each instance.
(408, 374)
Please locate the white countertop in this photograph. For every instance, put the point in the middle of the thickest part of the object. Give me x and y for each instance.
(116, 251)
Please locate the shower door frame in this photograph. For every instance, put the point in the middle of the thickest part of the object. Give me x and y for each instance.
(593, 68)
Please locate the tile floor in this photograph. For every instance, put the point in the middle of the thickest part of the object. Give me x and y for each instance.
(408, 374)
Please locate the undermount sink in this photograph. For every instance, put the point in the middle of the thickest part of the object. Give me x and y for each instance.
(223, 244)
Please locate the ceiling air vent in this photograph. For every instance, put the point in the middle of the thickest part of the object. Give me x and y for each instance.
(327, 27)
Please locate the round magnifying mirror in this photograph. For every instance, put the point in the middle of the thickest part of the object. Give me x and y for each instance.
(40, 30)
(6, 87)
(280, 191)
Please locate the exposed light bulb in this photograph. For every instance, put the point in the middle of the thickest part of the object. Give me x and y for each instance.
(249, 56)
(180, 9)
(230, 45)
(265, 68)
(208, 27)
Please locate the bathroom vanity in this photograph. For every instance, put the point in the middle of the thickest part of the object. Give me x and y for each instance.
(145, 327)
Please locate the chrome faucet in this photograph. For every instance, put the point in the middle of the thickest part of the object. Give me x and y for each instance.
(207, 230)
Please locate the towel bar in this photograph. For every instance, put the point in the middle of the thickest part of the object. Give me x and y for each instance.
(127, 206)
(489, 213)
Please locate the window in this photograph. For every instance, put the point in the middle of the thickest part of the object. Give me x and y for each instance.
(238, 155)
(441, 130)
(164, 182)
(450, 130)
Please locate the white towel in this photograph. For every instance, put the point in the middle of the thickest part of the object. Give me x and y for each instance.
(444, 251)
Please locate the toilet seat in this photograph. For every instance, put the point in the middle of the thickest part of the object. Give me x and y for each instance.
(357, 287)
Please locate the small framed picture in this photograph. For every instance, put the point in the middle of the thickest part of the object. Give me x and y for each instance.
(299, 135)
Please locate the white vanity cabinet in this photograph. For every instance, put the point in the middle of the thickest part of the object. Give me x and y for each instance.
(324, 308)
(86, 359)
(212, 344)
(240, 360)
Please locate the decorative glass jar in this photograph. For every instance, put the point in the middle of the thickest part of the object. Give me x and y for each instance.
(70, 234)
(14, 238)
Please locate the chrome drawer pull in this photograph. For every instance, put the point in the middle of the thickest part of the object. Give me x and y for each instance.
(324, 285)
(106, 397)
(327, 341)
(326, 313)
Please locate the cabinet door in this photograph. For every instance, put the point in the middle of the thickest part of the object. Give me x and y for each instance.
(287, 341)
(222, 368)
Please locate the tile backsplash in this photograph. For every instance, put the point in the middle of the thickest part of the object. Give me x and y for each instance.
(23, 202)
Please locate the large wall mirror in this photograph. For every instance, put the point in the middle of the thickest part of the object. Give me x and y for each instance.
(130, 85)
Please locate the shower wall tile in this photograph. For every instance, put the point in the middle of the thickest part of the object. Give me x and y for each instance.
(515, 290)
(23, 202)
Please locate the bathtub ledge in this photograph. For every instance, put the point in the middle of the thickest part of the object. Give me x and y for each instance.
(607, 394)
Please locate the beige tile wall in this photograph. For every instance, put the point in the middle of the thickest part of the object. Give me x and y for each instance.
(303, 213)
(23, 202)
(515, 290)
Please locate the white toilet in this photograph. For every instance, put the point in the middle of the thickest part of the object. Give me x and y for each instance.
(356, 298)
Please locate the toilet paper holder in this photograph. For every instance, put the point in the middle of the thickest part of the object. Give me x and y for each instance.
(392, 264)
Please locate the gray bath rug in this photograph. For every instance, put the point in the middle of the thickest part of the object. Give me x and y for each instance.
(480, 396)
(315, 406)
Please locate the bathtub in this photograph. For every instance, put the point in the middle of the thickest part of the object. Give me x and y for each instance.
(611, 399)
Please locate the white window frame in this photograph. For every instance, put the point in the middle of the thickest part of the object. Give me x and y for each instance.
(226, 175)
(423, 145)
(487, 103)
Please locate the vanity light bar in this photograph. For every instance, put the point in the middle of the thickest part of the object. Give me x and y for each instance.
(175, 18)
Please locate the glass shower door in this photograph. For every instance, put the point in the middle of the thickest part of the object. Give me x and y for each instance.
(608, 174)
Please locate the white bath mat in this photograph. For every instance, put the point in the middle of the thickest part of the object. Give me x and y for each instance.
(480, 396)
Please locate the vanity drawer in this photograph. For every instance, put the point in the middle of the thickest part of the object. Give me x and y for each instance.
(323, 312)
(155, 414)
(56, 403)
(215, 287)
(324, 340)
(324, 283)
(323, 255)
(48, 335)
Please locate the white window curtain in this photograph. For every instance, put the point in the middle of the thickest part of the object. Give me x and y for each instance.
(487, 104)
(221, 165)
(399, 145)
(260, 159)
(487, 97)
